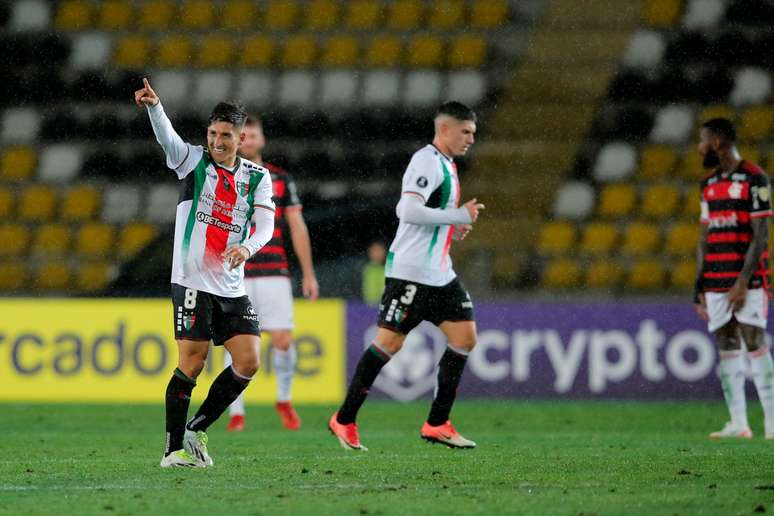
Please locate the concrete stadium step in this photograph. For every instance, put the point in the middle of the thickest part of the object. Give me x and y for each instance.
(566, 85)
(574, 47)
(550, 122)
(593, 14)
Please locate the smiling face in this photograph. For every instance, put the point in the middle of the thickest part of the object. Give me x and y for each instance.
(456, 135)
(223, 139)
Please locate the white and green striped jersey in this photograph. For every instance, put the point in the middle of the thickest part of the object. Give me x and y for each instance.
(420, 252)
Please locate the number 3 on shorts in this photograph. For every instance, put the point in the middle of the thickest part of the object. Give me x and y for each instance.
(408, 297)
(189, 301)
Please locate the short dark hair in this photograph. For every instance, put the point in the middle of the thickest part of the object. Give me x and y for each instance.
(457, 110)
(722, 127)
(229, 111)
(252, 121)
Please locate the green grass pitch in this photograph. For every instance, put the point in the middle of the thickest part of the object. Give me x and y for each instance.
(533, 458)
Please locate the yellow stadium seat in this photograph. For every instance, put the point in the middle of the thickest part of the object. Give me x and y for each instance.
(750, 153)
(556, 237)
(617, 200)
(682, 239)
(18, 163)
(488, 14)
(404, 14)
(132, 51)
(6, 202)
(300, 51)
(598, 238)
(691, 165)
(467, 51)
(657, 161)
(646, 275)
(114, 14)
(13, 276)
(174, 51)
(80, 203)
(52, 276)
(281, 14)
(37, 203)
(682, 275)
(756, 123)
(257, 51)
(660, 200)
(52, 240)
(15, 239)
(156, 14)
(341, 51)
(239, 14)
(94, 276)
(384, 51)
(362, 14)
(196, 14)
(506, 268)
(425, 51)
(561, 273)
(717, 111)
(640, 238)
(216, 51)
(603, 273)
(662, 13)
(74, 15)
(94, 239)
(692, 206)
(133, 237)
(322, 14)
(446, 14)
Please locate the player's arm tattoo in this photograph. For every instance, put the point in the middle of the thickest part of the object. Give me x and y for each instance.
(760, 238)
(701, 252)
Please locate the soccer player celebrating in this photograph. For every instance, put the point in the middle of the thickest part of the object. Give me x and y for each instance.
(420, 281)
(267, 280)
(733, 276)
(221, 194)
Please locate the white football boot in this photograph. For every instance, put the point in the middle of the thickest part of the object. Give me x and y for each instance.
(732, 431)
(195, 443)
(180, 459)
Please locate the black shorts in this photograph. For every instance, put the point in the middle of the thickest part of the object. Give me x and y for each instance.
(203, 316)
(405, 304)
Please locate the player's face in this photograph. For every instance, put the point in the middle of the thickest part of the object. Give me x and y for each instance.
(223, 141)
(708, 148)
(253, 142)
(460, 135)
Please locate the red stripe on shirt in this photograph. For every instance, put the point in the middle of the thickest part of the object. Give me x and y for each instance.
(728, 237)
(723, 257)
(216, 239)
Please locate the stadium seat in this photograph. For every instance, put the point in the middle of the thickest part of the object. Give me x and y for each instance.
(662, 13)
(257, 51)
(751, 86)
(561, 273)
(341, 51)
(239, 14)
(556, 237)
(598, 238)
(617, 200)
(94, 240)
(657, 162)
(691, 165)
(174, 86)
(691, 205)
(60, 163)
(297, 88)
(114, 14)
(74, 15)
(603, 273)
(121, 203)
(615, 162)
(37, 203)
(646, 275)
(299, 51)
(717, 111)
(52, 240)
(384, 51)
(322, 14)
(210, 88)
(682, 239)
(80, 203)
(506, 268)
(30, 15)
(645, 50)
(750, 153)
(381, 88)
(174, 51)
(15, 238)
(132, 51)
(338, 87)
(574, 200)
(425, 51)
(18, 163)
(280, 14)
(134, 237)
(682, 275)
(404, 15)
(362, 14)
(467, 51)
(467, 86)
(156, 14)
(674, 124)
(488, 14)
(216, 51)
(255, 88)
(660, 200)
(13, 275)
(640, 239)
(196, 14)
(756, 123)
(91, 50)
(162, 202)
(20, 125)
(52, 276)
(446, 14)
(94, 276)
(422, 88)
(6, 202)
(703, 14)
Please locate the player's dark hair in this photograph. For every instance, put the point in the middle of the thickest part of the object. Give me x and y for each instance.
(253, 121)
(722, 127)
(230, 111)
(457, 110)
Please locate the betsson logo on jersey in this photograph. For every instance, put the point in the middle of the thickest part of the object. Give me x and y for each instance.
(729, 221)
(213, 221)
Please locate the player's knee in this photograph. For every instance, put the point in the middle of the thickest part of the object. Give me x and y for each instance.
(191, 365)
(247, 366)
(281, 340)
(465, 345)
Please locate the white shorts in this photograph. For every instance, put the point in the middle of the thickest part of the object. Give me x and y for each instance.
(755, 311)
(272, 298)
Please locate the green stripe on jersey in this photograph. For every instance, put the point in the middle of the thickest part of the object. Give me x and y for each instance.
(200, 174)
(445, 194)
(255, 179)
(388, 265)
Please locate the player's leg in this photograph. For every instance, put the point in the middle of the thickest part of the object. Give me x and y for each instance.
(732, 379)
(284, 363)
(236, 410)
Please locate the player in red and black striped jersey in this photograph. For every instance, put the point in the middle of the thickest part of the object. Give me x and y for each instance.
(267, 279)
(733, 271)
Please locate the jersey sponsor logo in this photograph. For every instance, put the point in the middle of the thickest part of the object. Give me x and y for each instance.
(735, 191)
(422, 182)
(214, 221)
(763, 193)
(729, 221)
(242, 188)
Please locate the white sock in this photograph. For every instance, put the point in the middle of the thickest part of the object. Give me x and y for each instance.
(285, 368)
(762, 367)
(732, 380)
(237, 407)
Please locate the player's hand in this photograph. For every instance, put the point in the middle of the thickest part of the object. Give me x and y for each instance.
(145, 96)
(737, 296)
(473, 207)
(461, 231)
(235, 256)
(701, 308)
(310, 288)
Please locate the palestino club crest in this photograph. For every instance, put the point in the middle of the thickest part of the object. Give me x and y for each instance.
(189, 321)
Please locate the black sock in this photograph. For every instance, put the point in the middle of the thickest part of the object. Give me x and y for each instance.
(366, 372)
(223, 391)
(449, 374)
(178, 398)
